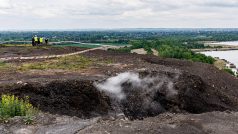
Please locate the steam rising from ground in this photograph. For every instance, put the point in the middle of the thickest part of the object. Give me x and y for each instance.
(113, 85)
(152, 84)
(140, 94)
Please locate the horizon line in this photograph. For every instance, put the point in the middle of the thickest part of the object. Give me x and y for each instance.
(109, 29)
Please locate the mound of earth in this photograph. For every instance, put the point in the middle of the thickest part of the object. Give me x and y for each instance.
(165, 86)
(74, 98)
(158, 92)
(155, 93)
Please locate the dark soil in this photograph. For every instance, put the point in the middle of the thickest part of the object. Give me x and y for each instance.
(80, 97)
(74, 98)
(200, 88)
(193, 96)
(36, 51)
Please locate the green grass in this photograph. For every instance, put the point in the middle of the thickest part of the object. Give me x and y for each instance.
(16, 45)
(65, 63)
(78, 45)
(11, 106)
(4, 66)
(115, 44)
(2, 63)
(89, 45)
(229, 71)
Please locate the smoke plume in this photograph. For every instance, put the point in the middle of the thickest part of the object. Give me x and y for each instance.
(140, 94)
(114, 85)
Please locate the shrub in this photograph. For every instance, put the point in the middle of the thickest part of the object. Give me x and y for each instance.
(173, 49)
(183, 53)
(11, 106)
(122, 50)
(229, 71)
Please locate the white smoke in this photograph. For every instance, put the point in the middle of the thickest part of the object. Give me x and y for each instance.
(113, 85)
(148, 84)
(170, 92)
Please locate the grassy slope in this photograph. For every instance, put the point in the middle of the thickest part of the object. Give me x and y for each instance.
(65, 63)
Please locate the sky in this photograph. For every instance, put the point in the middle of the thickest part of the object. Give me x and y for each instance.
(109, 14)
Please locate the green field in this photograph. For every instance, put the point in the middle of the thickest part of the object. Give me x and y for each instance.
(78, 45)
(87, 45)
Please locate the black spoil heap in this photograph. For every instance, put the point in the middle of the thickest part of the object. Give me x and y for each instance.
(158, 92)
(144, 94)
(73, 97)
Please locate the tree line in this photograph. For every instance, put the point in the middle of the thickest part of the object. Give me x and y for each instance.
(169, 49)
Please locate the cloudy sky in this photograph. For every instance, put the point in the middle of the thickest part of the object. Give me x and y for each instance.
(82, 14)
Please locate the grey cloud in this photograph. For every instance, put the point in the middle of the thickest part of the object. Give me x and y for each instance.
(226, 5)
(118, 13)
(220, 4)
(162, 5)
(104, 9)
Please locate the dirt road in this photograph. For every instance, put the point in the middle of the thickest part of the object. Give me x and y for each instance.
(104, 47)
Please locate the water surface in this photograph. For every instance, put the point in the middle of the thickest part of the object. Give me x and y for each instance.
(231, 56)
(230, 43)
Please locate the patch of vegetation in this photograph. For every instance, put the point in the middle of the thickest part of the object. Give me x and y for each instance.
(169, 49)
(183, 53)
(78, 45)
(3, 65)
(28, 120)
(66, 63)
(122, 49)
(190, 36)
(11, 106)
(229, 71)
(16, 45)
(148, 50)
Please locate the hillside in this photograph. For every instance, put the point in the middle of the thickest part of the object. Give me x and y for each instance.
(122, 91)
